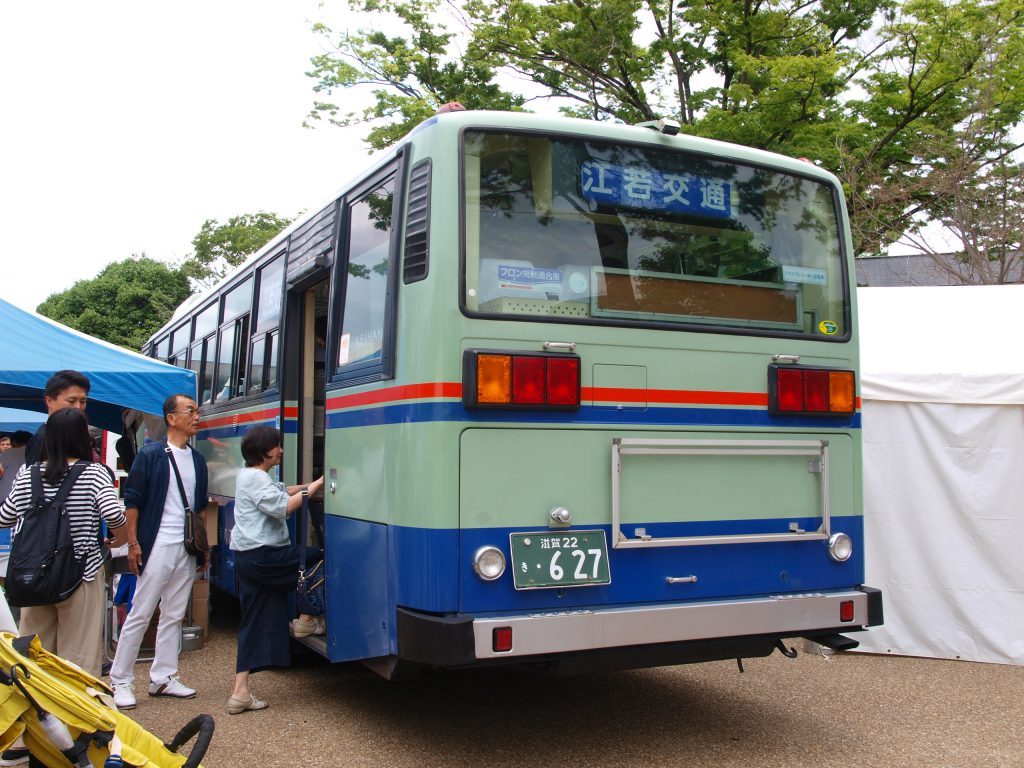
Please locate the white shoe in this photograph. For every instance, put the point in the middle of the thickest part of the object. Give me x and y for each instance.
(124, 695)
(306, 628)
(173, 687)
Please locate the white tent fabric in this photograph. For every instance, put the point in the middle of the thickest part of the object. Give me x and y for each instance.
(942, 388)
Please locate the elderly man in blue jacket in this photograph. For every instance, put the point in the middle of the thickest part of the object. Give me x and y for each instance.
(156, 551)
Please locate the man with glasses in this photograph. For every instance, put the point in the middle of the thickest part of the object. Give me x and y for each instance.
(156, 551)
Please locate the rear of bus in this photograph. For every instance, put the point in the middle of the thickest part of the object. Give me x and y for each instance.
(659, 454)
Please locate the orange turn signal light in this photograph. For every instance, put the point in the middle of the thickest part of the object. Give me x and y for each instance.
(494, 379)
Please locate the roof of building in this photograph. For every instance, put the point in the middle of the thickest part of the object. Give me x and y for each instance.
(916, 269)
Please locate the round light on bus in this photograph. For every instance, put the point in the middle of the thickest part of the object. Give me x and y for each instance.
(489, 563)
(840, 547)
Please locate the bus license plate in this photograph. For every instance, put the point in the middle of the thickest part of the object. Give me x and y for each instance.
(564, 559)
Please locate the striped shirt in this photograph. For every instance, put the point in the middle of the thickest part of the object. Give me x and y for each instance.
(91, 498)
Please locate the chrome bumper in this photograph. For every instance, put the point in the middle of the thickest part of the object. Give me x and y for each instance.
(568, 631)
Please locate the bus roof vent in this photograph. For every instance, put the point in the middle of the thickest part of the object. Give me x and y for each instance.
(665, 125)
(417, 231)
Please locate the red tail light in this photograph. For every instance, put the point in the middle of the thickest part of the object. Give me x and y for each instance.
(846, 610)
(501, 639)
(527, 380)
(516, 380)
(803, 391)
(564, 381)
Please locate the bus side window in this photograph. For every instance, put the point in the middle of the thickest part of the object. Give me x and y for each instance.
(267, 314)
(366, 276)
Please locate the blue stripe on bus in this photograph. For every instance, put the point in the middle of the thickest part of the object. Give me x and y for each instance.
(655, 416)
(430, 570)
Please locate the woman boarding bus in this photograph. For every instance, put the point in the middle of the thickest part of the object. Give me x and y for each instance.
(584, 396)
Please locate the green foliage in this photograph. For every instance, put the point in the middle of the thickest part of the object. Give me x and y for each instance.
(124, 304)
(410, 76)
(859, 86)
(219, 247)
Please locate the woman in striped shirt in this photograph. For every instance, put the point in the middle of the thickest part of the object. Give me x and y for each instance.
(73, 629)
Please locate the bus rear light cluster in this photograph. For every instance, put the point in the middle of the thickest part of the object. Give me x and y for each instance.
(519, 380)
(803, 391)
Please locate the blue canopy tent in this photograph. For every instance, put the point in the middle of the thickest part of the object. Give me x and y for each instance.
(15, 419)
(33, 348)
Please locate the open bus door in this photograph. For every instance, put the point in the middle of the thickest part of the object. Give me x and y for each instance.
(304, 399)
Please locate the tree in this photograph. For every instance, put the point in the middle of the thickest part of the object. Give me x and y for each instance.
(124, 304)
(220, 247)
(863, 87)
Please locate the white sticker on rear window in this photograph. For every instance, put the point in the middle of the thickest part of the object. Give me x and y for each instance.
(804, 275)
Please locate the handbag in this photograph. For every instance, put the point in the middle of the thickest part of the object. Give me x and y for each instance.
(196, 542)
(309, 590)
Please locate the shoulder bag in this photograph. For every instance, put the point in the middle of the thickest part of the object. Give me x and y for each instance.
(195, 529)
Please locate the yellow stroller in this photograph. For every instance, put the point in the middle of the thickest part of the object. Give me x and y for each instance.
(58, 709)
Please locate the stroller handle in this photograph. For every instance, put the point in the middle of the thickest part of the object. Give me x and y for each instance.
(201, 724)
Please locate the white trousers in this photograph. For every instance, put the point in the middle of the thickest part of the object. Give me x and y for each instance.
(166, 581)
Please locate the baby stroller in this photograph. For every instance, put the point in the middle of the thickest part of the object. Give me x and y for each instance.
(60, 712)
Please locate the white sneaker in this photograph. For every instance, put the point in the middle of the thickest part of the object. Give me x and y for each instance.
(124, 695)
(173, 687)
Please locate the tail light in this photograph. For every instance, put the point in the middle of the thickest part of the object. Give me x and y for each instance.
(846, 611)
(520, 380)
(803, 391)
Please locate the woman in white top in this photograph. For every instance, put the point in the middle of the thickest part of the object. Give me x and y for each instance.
(73, 629)
(266, 564)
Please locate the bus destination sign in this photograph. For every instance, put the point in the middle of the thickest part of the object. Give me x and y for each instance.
(636, 186)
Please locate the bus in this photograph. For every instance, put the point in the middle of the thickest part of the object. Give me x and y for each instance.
(584, 396)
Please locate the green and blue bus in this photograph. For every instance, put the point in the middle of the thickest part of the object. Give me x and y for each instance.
(584, 396)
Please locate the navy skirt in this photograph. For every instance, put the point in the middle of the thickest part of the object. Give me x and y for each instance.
(266, 578)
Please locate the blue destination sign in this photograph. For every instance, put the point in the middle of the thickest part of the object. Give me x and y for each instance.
(643, 187)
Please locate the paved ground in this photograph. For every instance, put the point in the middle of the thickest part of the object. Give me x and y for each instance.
(816, 711)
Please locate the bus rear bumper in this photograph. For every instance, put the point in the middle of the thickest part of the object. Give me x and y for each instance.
(465, 640)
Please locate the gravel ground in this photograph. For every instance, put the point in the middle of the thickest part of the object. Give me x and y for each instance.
(848, 709)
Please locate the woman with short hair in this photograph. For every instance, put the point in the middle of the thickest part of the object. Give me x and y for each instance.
(73, 628)
(266, 564)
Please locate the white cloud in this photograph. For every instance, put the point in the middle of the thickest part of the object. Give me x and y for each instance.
(128, 124)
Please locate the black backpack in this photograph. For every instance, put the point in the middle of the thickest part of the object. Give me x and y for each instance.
(43, 568)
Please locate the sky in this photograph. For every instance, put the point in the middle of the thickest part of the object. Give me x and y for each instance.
(127, 124)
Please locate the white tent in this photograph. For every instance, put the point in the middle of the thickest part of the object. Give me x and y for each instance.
(942, 386)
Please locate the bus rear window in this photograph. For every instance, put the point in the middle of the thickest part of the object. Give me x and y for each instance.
(625, 234)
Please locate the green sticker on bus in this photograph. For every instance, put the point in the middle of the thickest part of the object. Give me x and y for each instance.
(828, 327)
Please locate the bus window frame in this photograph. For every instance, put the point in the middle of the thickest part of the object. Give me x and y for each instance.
(383, 368)
(842, 233)
(239, 326)
(264, 387)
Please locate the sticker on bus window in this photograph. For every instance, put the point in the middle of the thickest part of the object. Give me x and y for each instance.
(828, 327)
(804, 275)
(514, 276)
(343, 348)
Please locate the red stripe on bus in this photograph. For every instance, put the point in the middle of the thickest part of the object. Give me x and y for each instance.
(242, 418)
(393, 394)
(675, 396)
(453, 390)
